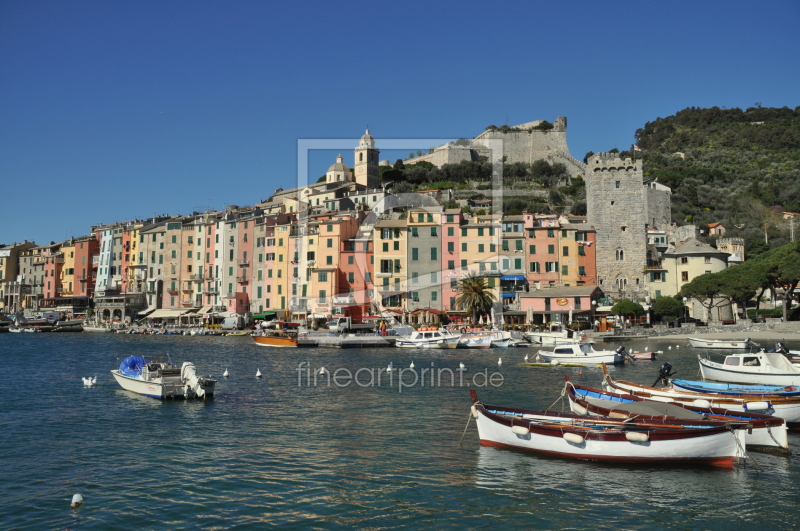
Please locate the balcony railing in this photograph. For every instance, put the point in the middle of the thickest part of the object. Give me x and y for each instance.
(243, 262)
(96, 260)
(344, 300)
(242, 280)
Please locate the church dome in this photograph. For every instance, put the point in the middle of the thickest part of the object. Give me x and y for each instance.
(339, 166)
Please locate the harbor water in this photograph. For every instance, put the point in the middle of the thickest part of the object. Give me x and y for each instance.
(304, 450)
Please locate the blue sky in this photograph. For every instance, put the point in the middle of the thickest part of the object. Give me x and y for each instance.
(111, 111)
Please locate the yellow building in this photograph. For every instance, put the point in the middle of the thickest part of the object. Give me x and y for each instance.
(391, 244)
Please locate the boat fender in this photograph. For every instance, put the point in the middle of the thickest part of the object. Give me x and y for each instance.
(77, 500)
(665, 399)
(573, 438)
(474, 411)
(756, 406)
(463, 330)
(618, 415)
(637, 436)
(584, 337)
(579, 409)
(520, 430)
(701, 403)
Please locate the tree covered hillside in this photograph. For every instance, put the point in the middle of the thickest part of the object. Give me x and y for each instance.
(729, 166)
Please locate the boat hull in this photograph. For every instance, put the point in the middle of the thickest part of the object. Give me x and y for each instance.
(270, 341)
(427, 344)
(717, 371)
(787, 408)
(764, 432)
(713, 446)
(734, 389)
(720, 344)
(169, 388)
(590, 359)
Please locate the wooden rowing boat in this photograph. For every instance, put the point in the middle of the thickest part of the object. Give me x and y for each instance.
(587, 438)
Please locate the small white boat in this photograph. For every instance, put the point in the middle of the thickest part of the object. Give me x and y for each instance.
(757, 368)
(439, 338)
(730, 344)
(96, 328)
(583, 353)
(161, 379)
(555, 337)
(593, 439)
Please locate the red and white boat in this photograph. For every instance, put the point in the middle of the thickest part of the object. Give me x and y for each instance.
(764, 432)
(593, 439)
(787, 408)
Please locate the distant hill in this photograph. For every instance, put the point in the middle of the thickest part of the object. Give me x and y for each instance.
(730, 166)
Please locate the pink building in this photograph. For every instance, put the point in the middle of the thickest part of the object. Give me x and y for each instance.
(452, 262)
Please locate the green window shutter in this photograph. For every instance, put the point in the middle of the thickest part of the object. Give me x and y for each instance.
(414, 253)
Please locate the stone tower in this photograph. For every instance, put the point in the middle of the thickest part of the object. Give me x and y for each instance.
(366, 165)
(616, 205)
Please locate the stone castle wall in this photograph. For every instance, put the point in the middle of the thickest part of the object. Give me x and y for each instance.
(525, 146)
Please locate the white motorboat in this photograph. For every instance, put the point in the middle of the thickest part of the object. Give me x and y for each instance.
(161, 379)
(729, 344)
(757, 368)
(424, 338)
(480, 338)
(96, 328)
(583, 353)
(555, 337)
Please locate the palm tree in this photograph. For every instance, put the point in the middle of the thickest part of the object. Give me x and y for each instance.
(474, 296)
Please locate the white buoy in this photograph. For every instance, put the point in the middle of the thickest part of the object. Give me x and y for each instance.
(461, 365)
(225, 374)
(646, 349)
(412, 365)
(526, 357)
(677, 346)
(389, 368)
(77, 500)
(499, 362)
(322, 370)
(670, 347)
(258, 373)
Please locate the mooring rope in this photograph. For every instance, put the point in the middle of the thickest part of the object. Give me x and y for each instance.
(561, 397)
(465, 428)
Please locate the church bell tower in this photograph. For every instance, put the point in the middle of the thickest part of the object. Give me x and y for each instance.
(366, 164)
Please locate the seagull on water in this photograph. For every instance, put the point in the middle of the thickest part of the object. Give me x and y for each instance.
(225, 374)
(461, 365)
(412, 365)
(499, 362)
(389, 368)
(258, 373)
(526, 357)
(89, 382)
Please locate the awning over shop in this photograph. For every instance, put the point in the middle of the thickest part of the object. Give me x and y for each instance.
(512, 277)
(205, 309)
(165, 313)
(509, 295)
(265, 315)
(319, 315)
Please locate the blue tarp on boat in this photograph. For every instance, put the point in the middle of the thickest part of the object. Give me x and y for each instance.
(132, 366)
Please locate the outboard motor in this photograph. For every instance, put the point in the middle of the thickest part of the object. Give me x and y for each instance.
(195, 386)
(664, 374)
(624, 353)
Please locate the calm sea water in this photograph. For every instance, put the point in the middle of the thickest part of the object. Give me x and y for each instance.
(269, 452)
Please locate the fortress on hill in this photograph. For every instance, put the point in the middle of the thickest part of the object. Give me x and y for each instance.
(524, 143)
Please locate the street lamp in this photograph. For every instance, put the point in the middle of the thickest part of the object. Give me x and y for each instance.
(595, 323)
(685, 300)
